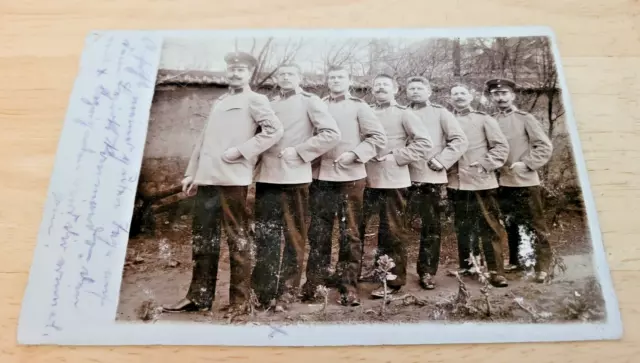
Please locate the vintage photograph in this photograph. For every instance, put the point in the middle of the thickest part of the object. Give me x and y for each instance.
(335, 180)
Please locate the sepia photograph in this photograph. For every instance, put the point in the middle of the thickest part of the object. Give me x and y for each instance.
(357, 180)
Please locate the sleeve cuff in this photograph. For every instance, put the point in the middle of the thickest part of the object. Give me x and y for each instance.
(305, 155)
(362, 157)
(245, 151)
(446, 166)
(400, 159)
(528, 164)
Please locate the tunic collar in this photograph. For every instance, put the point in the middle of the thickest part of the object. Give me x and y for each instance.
(419, 105)
(507, 111)
(462, 112)
(288, 93)
(342, 97)
(385, 104)
(236, 90)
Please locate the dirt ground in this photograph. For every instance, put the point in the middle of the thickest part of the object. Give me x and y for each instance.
(158, 271)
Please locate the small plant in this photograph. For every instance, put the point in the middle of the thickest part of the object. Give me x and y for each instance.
(323, 292)
(463, 298)
(149, 311)
(585, 304)
(535, 315)
(253, 302)
(385, 264)
(482, 277)
(557, 263)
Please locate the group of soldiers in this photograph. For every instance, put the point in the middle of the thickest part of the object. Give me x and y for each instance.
(341, 157)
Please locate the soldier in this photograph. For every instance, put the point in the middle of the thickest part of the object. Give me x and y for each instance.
(388, 177)
(219, 173)
(520, 193)
(473, 186)
(282, 187)
(338, 187)
(429, 176)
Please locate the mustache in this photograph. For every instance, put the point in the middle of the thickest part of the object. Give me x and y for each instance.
(380, 90)
(236, 78)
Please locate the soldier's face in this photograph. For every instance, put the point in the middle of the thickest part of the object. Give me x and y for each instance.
(288, 77)
(338, 81)
(418, 92)
(503, 98)
(384, 89)
(238, 76)
(461, 97)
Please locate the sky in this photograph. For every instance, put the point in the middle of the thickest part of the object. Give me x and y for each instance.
(207, 54)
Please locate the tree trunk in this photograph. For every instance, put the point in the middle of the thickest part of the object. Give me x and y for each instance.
(456, 57)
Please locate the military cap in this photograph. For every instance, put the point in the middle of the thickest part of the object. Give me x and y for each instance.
(241, 58)
(500, 84)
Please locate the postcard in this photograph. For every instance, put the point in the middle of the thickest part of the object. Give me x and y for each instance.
(319, 188)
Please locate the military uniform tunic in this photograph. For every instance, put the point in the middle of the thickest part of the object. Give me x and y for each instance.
(472, 190)
(520, 193)
(233, 122)
(428, 193)
(338, 188)
(220, 202)
(408, 141)
(282, 192)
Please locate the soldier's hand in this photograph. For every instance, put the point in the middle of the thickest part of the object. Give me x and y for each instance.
(518, 165)
(477, 165)
(385, 157)
(346, 158)
(231, 155)
(435, 165)
(289, 153)
(188, 187)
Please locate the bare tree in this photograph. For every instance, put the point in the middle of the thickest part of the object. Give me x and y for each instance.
(270, 56)
(344, 53)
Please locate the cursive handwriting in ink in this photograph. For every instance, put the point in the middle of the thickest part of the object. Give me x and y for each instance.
(88, 124)
(124, 185)
(95, 237)
(105, 287)
(104, 92)
(71, 201)
(140, 71)
(84, 279)
(104, 294)
(110, 151)
(58, 279)
(87, 229)
(56, 201)
(132, 117)
(69, 232)
(59, 272)
(112, 125)
(115, 232)
(84, 149)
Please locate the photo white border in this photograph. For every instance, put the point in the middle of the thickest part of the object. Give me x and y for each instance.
(103, 332)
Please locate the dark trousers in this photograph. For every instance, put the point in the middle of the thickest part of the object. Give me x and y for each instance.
(477, 217)
(427, 201)
(216, 207)
(524, 216)
(326, 200)
(279, 209)
(390, 206)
